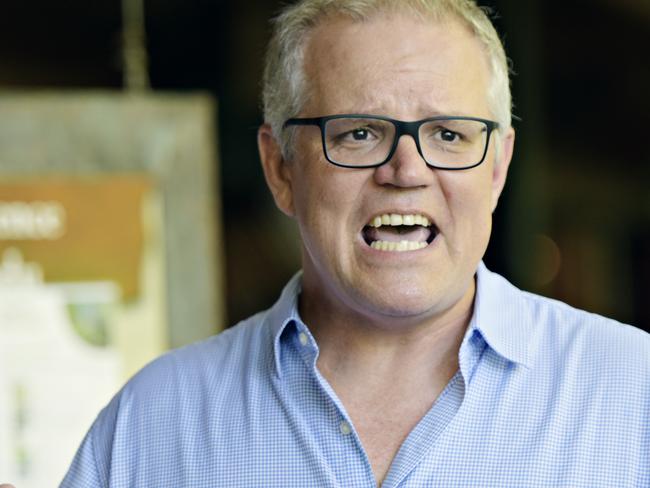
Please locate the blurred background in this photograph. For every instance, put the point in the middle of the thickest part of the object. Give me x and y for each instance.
(575, 220)
(573, 223)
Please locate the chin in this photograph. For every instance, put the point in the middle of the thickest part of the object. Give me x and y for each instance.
(400, 302)
(411, 297)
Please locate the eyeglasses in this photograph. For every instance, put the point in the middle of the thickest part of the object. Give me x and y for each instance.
(368, 141)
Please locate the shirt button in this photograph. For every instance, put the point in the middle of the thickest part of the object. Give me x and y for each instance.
(303, 338)
(345, 428)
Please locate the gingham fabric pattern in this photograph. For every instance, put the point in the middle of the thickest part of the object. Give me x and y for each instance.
(546, 396)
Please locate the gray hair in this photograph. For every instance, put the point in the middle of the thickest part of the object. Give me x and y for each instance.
(284, 85)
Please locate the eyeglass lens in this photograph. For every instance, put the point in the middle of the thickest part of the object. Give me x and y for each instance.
(454, 143)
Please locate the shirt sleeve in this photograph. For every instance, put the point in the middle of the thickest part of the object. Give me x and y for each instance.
(83, 471)
(90, 467)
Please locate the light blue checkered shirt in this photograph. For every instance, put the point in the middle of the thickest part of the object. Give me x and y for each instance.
(546, 396)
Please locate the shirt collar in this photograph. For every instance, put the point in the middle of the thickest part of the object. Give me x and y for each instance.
(501, 316)
(284, 314)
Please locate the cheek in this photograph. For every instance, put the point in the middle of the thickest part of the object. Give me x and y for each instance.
(321, 188)
(324, 200)
(469, 200)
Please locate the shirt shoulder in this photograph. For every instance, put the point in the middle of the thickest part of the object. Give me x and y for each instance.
(569, 330)
(169, 404)
(598, 355)
(218, 362)
(555, 337)
(242, 353)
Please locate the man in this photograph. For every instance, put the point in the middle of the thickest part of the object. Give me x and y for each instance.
(396, 358)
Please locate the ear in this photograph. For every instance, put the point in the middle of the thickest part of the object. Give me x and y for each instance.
(276, 172)
(500, 169)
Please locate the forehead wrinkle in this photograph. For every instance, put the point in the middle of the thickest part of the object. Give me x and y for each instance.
(406, 96)
(396, 106)
(397, 80)
(390, 93)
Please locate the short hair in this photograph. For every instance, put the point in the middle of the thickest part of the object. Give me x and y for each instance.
(285, 91)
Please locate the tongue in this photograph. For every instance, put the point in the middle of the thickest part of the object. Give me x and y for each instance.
(399, 233)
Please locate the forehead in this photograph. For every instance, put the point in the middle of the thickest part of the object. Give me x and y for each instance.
(395, 64)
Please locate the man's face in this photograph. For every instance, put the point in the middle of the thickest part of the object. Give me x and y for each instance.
(407, 69)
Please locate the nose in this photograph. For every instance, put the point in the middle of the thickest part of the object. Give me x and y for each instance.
(406, 169)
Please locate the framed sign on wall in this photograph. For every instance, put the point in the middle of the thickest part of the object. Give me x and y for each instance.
(109, 255)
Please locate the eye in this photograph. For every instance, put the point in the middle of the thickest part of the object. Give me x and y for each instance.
(360, 134)
(355, 133)
(448, 135)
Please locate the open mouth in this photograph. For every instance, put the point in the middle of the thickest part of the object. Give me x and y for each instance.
(399, 233)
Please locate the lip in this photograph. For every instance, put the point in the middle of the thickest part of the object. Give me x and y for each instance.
(400, 211)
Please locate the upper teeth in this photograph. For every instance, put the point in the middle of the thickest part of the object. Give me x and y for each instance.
(397, 219)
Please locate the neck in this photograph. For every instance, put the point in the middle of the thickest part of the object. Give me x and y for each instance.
(354, 347)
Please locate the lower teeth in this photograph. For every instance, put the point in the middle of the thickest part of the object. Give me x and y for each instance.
(398, 246)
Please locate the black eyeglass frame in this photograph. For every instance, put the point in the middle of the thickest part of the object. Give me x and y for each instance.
(401, 128)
